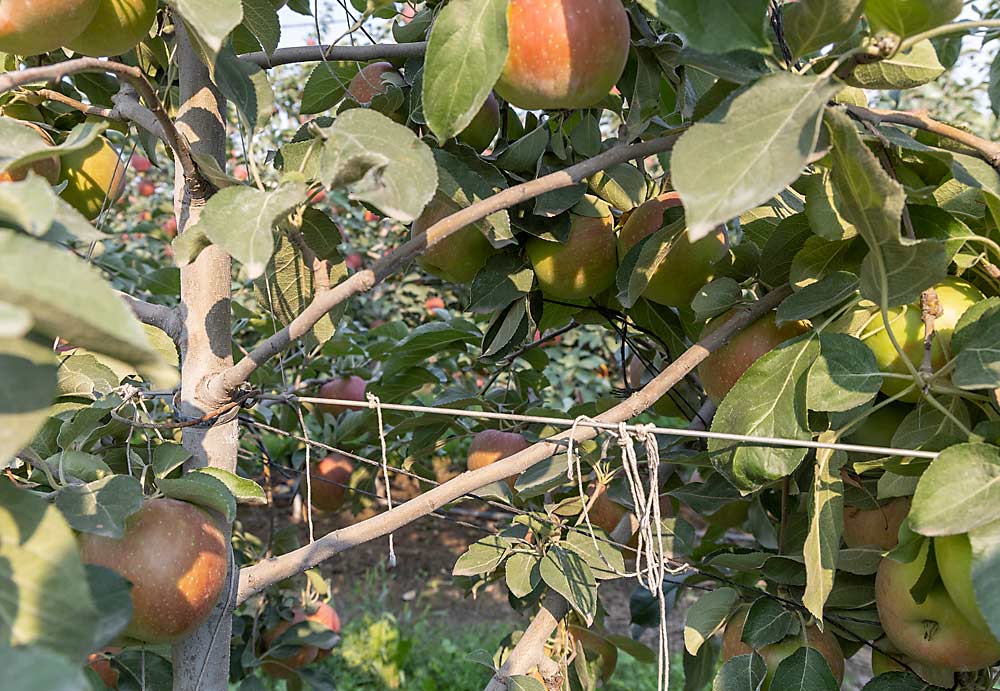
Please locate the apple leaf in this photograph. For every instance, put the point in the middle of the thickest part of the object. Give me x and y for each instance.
(928, 428)
(716, 297)
(959, 491)
(111, 594)
(641, 262)
(28, 373)
(830, 291)
(826, 523)
(211, 21)
(714, 26)
(35, 668)
(21, 145)
(844, 376)
(768, 400)
(504, 278)
(521, 573)
(811, 24)
(706, 617)
(740, 673)
(326, 86)
(245, 490)
(14, 321)
(985, 568)
(482, 556)
(251, 241)
(977, 365)
(824, 217)
(37, 548)
(603, 558)
(567, 573)
(819, 258)
(805, 670)
(101, 507)
(521, 682)
(905, 70)
(202, 490)
(909, 17)
(466, 186)
(767, 622)
(749, 149)
(261, 18)
(466, 52)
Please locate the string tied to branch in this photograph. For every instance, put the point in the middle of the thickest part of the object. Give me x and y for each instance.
(375, 404)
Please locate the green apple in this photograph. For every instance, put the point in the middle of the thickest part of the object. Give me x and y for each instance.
(686, 268)
(117, 28)
(954, 562)
(906, 322)
(94, 177)
(460, 256)
(933, 631)
(485, 124)
(580, 268)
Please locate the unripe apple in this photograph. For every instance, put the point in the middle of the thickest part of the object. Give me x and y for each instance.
(489, 446)
(48, 168)
(720, 371)
(485, 124)
(954, 561)
(102, 666)
(582, 267)
(30, 27)
(283, 668)
(175, 557)
(877, 526)
(906, 322)
(117, 27)
(329, 477)
(458, 257)
(823, 642)
(94, 176)
(933, 631)
(686, 268)
(344, 388)
(563, 53)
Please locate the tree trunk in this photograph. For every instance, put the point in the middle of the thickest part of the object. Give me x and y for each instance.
(201, 662)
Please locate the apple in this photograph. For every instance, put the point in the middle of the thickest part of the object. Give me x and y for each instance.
(240, 172)
(877, 526)
(479, 133)
(433, 303)
(954, 561)
(687, 266)
(823, 642)
(582, 267)
(344, 388)
(285, 667)
(100, 663)
(175, 557)
(30, 27)
(370, 82)
(605, 513)
(48, 168)
(489, 446)
(720, 371)
(882, 663)
(933, 631)
(329, 477)
(563, 53)
(117, 27)
(956, 296)
(354, 261)
(170, 227)
(458, 257)
(878, 428)
(146, 188)
(140, 164)
(94, 176)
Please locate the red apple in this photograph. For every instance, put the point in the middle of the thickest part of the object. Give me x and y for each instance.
(344, 388)
(368, 83)
(240, 172)
(170, 227)
(175, 557)
(100, 663)
(146, 188)
(876, 526)
(284, 668)
(140, 163)
(433, 303)
(563, 53)
(329, 478)
(370, 217)
(354, 261)
(489, 446)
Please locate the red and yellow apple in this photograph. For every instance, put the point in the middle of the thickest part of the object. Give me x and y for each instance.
(29, 27)
(563, 53)
(582, 267)
(329, 479)
(370, 82)
(456, 258)
(345, 389)
(876, 526)
(489, 446)
(175, 556)
(283, 668)
(117, 27)
(94, 177)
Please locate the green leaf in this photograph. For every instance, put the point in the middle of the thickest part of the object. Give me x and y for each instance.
(641, 262)
(202, 490)
(38, 549)
(520, 682)
(28, 373)
(567, 573)
(21, 145)
(521, 572)
(768, 400)
(82, 374)
(812, 24)
(821, 207)
(714, 26)
(819, 258)
(405, 180)
(909, 17)
(251, 241)
(905, 70)
(896, 270)
(466, 52)
(168, 457)
(507, 330)
(767, 622)
(706, 617)
(830, 291)
(716, 297)
(741, 673)
(321, 234)
(261, 18)
(68, 298)
(826, 523)
(844, 376)
(211, 21)
(101, 507)
(503, 279)
(984, 543)
(245, 490)
(959, 491)
(603, 558)
(34, 668)
(897, 681)
(977, 365)
(111, 594)
(326, 86)
(805, 670)
(14, 321)
(749, 149)
(482, 556)
(246, 85)
(464, 185)
(782, 245)
(929, 429)
(699, 669)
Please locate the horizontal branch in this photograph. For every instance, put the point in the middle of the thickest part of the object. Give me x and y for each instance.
(254, 579)
(288, 56)
(990, 151)
(85, 108)
(134, 77)
(221, 386)
(159, 316)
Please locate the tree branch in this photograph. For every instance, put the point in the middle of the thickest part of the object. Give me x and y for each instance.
(159, 316)
(223, 385)
(288, 56)
(990, 151)
(254, 579)
(137, 79)
(85, 108)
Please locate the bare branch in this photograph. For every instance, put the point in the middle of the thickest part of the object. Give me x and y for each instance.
(255, 578)
(220, 387)
(159, 316)
(990, 151)
(85, 108)
(287, 56)
(137, 79)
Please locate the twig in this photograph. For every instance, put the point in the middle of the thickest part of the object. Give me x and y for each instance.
(85, 108)
(163, 318)
(541, 341)
(946, 29)
(287, 56)
(930, 309)
(223, 384)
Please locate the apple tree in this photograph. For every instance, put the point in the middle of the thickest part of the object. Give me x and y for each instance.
(775, 284)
